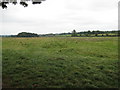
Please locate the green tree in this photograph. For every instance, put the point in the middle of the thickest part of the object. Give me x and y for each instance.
(96, 34)
(107, 34)
(89, 33)
(74, 33)
(26, 34)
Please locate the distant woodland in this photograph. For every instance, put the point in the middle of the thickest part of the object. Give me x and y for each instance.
(69, 34)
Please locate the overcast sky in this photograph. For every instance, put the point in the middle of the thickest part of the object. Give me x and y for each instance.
(58, 16)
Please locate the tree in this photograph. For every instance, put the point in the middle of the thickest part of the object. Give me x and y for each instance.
(22, 2)
(107, 34)
(74, 34)
(89, 33)
(26, 34)
(96, 34)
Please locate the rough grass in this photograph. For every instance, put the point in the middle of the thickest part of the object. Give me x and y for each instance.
(60, 62)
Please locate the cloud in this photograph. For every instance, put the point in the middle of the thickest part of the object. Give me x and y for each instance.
(53, 16)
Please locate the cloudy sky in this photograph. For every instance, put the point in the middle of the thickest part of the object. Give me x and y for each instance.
(57, 16)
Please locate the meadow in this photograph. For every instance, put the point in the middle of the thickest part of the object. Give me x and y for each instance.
(60, 62)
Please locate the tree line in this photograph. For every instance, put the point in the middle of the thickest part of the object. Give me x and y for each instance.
(95, 33)
(69, 34)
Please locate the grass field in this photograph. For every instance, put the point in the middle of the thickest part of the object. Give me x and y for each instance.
(60, 62)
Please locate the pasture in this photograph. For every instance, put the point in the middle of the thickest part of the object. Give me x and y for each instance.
(60, 62)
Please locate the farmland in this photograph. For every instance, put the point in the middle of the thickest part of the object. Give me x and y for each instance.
(60, 62)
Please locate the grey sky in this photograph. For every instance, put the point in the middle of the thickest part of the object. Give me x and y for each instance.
(57, 16)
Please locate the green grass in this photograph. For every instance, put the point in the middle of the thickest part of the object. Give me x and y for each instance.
(60, 62)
